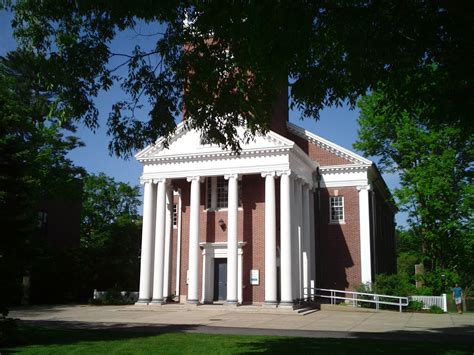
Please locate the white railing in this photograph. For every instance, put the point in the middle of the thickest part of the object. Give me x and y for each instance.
(355, 297)
(429, 301)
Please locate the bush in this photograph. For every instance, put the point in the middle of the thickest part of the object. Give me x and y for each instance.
(393, 285)
(7, 330)
(435, 309)
(435, 282)
(415, 305)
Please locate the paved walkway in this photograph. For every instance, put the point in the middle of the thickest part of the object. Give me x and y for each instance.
(255, 320)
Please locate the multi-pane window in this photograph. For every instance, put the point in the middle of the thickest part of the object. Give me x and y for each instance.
(336, 205)
(175, 215)
(218, 192)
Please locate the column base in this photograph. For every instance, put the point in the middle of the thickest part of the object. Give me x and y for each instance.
(157, 301)
(286, 305)
(270, 304)
(142, 302)
(231, 303)
(192, 301)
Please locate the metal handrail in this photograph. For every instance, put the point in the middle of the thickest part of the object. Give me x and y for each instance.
(402, 301)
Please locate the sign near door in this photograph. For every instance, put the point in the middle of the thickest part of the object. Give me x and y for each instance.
(254, 277)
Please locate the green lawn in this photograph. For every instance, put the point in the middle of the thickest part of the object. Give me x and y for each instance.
(34, 340)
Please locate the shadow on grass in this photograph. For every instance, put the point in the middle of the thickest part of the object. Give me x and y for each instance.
(196, 338)
(281, 345)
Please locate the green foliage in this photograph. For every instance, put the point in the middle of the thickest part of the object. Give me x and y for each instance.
(435, 281)
(436, 309)
(106, 203)
(110, 233)
(8, 330)
(236, 60)
(34, 163)
(406, 263)
(415, 306)
(394, 285)
(435, 167)
(113, 297)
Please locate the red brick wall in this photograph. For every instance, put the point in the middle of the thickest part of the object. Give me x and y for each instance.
(250, 226)
(322, 156)
(338, 245)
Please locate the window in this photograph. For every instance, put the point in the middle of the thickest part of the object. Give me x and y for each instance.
(336, 205)
(217, 192)
(175, 215)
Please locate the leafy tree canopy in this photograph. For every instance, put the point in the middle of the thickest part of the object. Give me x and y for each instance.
(233, 61)
(33, 162)
(434, 163)
(106, 203)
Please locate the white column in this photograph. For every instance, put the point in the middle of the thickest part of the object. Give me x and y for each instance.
(294, 238)
(364, 223)
(193, 268)
(306, 243)
(312, 242)
(286, 190)
(232, 247)
(160, 228)
(270, 240)
(168, 234)
(146, 260)
(213, 192)
(239, 273)
(298, 207)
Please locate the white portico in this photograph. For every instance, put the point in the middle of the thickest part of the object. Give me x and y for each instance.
(272, 158)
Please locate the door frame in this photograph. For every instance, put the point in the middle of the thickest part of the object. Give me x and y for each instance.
(211, 251)
(217, 273)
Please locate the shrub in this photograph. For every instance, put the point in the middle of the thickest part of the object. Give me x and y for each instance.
(435, 309)
(7, 330)
(393, 285)
(415, 305)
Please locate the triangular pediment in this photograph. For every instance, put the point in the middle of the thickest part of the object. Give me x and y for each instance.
(187, 143)
(330, 147)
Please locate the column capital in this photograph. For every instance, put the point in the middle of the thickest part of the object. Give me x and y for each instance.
(232, 176)
(363, 187)
(143, 180)
(195, 178)
(289, 173)
(160, 180)
(268, 173)
(299, 180)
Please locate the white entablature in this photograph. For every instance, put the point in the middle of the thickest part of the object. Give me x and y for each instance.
(187, 156)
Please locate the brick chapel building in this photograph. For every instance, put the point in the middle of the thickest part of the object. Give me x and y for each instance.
(292, 212)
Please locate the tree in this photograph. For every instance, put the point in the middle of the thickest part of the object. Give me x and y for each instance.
(110, 234)
(435, 167)
(233, 61)
(33, 164)
(106, 202)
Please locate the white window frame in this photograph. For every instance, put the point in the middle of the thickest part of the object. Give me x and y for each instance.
(220, 201)
(339, 220)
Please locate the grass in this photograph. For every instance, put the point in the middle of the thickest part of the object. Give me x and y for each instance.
(36, 340)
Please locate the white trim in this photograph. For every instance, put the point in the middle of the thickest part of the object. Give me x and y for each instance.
(364, 226)
(337, 221)
(211, 251)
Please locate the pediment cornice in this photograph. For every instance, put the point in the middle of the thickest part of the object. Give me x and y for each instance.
(327, 145)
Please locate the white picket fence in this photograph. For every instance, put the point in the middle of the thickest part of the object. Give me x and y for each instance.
(126, 296)
(429, 301)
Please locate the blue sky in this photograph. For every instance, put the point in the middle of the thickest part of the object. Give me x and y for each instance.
(338, 125)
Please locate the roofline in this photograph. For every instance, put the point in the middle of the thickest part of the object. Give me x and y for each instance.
(311, 136)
